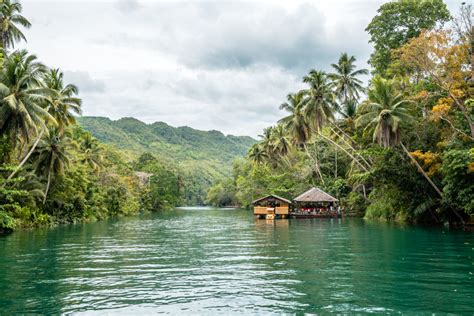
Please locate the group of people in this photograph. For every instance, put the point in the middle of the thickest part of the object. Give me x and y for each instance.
(320, 210)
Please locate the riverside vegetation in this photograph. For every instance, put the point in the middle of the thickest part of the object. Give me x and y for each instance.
(400, 149)
(54, 171)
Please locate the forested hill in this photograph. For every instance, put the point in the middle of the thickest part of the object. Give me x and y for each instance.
(200, 156)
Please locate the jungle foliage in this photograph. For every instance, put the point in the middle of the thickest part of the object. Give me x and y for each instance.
(399, 149)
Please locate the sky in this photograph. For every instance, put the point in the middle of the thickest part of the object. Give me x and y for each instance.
(211, 65)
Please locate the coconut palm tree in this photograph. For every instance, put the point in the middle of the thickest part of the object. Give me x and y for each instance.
(257, 154)
(62, 103)
(22, 97)
(320, 100)
(383, 114)
(10, 22)
(266, 142)
(280, 141)
(92, 152)
(296, 122)
(347, 85)
(51, 156)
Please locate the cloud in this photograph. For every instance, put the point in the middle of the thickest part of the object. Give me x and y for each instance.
(127, 5)
(222, 65)
(84, 81)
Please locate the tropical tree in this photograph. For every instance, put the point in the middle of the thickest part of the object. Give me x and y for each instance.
(320, 99)
(383, 114)
(22, 97)
(397, 22)
(51, 156)
(10, 22)
(60, 102)
(266, 141)
(92, 152)
(280, 141)
(347, 85)
(63, 102)
(257, 154)
(296, 123)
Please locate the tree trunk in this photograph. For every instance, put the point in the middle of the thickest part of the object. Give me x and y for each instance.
(420, 169)
(318, 170)
(335, 162)
(49, 182)
(350, 144)
(344, 150)
(32, 149)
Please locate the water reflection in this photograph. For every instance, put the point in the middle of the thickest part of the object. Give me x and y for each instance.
(210, 261)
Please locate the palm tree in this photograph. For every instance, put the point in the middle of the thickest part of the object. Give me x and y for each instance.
(384, 113)
(257, 154)
(92, 152)
(280, 141)
(320, 100)
(59, 101)
(296, 122)
(266, 141)
(51, 156)
(10, 20)
(63, 101)
(347, 85)
(21, 97)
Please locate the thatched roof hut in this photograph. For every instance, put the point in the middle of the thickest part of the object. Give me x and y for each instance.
(315, 195)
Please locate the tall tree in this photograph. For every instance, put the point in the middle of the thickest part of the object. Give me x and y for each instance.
(63, 102)
(280, 140)
(384, 113)
(347, 84)
(52, 156)
(397, 22)
(434, 56)
(10, 22)
(92, 152)
(22, 97)
(296, 122)
(320, 99)
(60, 102)
(257, 154)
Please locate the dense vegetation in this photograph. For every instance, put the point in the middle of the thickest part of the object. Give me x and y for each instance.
(52, 170)
(198, 158)
(399, 149)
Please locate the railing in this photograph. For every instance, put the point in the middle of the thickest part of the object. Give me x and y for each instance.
(282, 210)
(262, 210)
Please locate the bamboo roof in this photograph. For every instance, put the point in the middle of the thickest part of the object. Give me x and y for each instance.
(315, 195)
(273, 196)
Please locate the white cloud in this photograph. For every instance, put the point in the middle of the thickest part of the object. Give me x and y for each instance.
(222, 65)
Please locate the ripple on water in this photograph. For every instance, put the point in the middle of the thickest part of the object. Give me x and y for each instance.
(212, 261)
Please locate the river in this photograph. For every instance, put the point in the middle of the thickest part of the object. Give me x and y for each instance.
(209, 261)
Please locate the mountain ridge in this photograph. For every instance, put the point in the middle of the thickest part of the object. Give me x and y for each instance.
(201, 156)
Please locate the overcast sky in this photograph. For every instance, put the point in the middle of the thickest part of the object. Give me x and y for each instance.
(206, 64)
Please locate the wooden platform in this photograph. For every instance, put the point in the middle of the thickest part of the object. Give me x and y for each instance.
(315, 215)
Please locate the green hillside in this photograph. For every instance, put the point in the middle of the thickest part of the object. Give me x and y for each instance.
(201, 157)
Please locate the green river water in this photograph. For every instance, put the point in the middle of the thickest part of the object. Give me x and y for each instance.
(210, 261)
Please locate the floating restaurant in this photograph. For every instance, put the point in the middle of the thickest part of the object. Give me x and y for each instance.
(314, 203)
